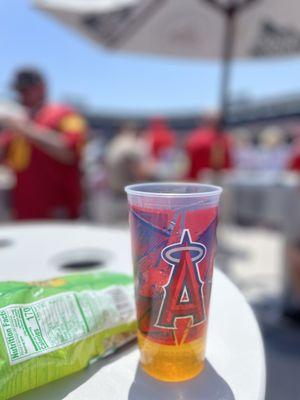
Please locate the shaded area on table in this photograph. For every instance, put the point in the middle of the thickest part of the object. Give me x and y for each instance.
(59, 389)
(208, 385)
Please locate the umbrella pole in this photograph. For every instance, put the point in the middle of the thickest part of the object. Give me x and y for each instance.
(228, 48)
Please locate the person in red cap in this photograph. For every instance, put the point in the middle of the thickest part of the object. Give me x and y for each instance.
(159, 137)
(208, 148)
(44, 151)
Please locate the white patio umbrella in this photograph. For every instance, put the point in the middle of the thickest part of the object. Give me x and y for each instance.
(210, 29)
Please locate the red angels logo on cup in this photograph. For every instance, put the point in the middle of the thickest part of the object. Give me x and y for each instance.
(182, 304)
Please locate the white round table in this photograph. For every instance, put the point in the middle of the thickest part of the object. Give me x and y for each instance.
(235, 367)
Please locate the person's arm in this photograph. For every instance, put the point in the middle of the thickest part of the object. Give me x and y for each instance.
(51, 142)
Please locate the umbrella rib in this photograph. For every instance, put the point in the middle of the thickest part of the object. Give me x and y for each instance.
(231, 7)
(134, 21)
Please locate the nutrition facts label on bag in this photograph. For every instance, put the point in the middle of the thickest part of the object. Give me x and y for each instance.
(30, 330)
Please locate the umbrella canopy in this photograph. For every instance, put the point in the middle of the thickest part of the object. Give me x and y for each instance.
(209, 29)
(189, 28)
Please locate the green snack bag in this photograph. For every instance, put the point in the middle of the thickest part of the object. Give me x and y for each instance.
(53, 328)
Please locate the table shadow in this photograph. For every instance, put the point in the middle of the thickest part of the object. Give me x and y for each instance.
(208, 385)
(59, 389)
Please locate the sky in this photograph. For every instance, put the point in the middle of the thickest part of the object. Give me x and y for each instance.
(80, 70)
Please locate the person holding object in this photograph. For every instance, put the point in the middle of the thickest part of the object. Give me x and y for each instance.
(44, 150)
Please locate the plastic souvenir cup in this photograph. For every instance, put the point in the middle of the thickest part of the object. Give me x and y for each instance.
(173, 232)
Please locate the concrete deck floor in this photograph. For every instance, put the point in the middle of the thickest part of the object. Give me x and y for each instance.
(253, 259)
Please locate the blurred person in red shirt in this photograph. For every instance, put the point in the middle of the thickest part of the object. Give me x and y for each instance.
(208, 148)
(294, 159)
(159, 137)
(44, 151)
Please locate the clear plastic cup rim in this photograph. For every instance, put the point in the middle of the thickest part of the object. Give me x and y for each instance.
(202, 189)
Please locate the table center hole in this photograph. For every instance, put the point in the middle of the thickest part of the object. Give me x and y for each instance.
(5, 243)
(82, 259)
(82, 264)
